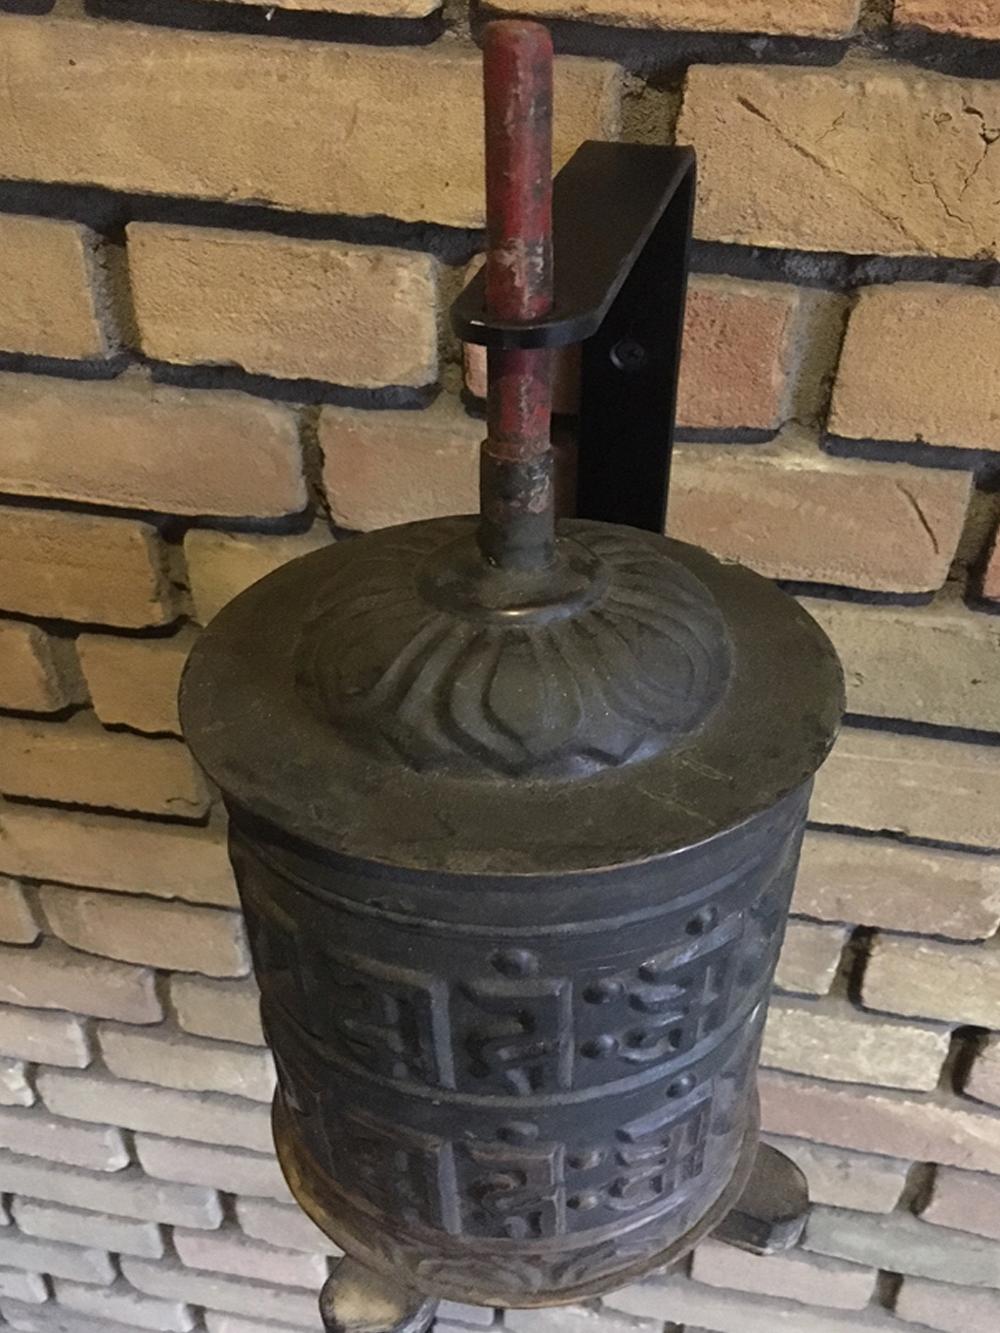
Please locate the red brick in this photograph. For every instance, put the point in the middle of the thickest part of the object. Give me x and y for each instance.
(144, 930)
(931, 1128)
(79, 763)
(82, 567)
(914, 785)
(882, 882)
(792, 512)
(47, 270)
(122, 855)
(957, 18)
(842, 159)
(134, 682)
(917, 364)
(39, 673)
(315, 126)
(222, 564)
(140, 445)
(364, 316)
(808, 18)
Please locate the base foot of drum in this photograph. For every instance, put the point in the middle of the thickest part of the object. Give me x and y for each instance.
(770, 1215)
(356, 1299)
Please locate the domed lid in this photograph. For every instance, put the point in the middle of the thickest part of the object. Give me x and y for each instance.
(395, 698)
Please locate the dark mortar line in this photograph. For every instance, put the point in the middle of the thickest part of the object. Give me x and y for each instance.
(984, 464)
(26, 6)
(832, 592)
(292, 524)
(25, 363)
(836, 271)
(303, 392)
(109, 211)
(946, 53)
(60, 627)
(934, 731)
(909, 840)
(262, 19)
(82, 807)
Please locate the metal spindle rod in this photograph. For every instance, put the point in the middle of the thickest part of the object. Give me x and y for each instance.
(517, 524)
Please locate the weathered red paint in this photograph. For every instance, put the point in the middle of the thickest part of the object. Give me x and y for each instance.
(517, 84)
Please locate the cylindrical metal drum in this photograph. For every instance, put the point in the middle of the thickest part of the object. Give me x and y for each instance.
(516, 850)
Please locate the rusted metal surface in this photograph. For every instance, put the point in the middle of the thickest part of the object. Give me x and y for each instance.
(517, 488)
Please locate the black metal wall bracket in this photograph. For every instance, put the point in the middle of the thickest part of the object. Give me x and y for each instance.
(621, 236)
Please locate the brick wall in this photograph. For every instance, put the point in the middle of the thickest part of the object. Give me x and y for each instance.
(227, 239)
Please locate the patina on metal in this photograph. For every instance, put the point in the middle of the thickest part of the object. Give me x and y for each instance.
(516, 806)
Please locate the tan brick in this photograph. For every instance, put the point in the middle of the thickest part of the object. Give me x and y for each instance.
(697, 1306)
(54, 977)
(227, 1251)
(128, 1193)
(865, 158)
(230, 1170)
(207, 1117)
(134, 682)
(564, 1319)
(991, 577)
(915, 785)
(52, 1039)
(123, 855)
(364, 316)
(810, 957)
(983, 1079)
(15, 1089)
(964, 1201)
(53, 1318)
(881, 882)
(917, 365)
(70, 1261)
(121, 1303)
(947, 1308)
(381, 468)
(229, 1010)
(934, 1128)
(46, 275)
(222, 564)
(75, 1226)
(932, 663)
(189, 1063)
(901, 1243)
(34, 1134)
(141, 445)
(84, 567)
(794, 1276)
(141, 930)
(279, 1224)
(17, 920)
(958, 983)
(809, 18)
(267, 120)
(28, 1287)
(235, 1295)
(79, 763)
(846, 1179)
(39, 673)
(789, 511)
(957, 18)
(833, 1041)
(231, 1323)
